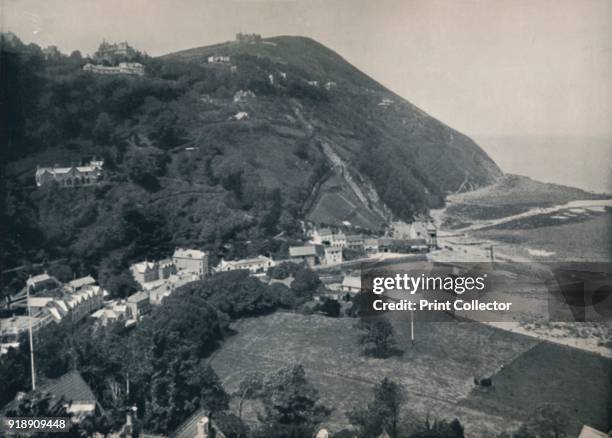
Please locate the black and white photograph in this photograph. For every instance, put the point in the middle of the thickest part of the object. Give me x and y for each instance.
(306, 218)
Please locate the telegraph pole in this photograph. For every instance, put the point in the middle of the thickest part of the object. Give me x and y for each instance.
(31, 340)
(412, 326)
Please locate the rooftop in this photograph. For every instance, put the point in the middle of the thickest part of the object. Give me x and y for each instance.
(352, 282)
(302, 251)
(144, 266)
(71, 387)
(80, 282)
(189, 253)
(138, 296)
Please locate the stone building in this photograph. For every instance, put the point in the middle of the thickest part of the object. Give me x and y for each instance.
(112, 52)
(191, 260)
(218, 59)
(255, 265)
(248, 38)
(73, 176)
(123, 68)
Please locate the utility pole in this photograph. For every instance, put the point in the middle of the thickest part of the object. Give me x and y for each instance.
(31, 340)
(412, 326)
(492, 253)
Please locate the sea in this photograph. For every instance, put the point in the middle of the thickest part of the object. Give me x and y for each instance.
(583, 162)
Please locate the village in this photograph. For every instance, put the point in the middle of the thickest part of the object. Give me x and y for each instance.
(45, 300)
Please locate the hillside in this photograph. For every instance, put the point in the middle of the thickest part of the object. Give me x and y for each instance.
(188, 161)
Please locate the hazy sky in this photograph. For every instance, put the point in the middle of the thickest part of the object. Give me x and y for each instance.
(485, 67)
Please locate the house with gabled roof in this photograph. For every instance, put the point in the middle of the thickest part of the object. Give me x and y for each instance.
(255, 265)
(71, 176)
(304, 254)
(71, 390)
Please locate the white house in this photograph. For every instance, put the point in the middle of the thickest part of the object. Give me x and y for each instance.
(191, 260)
(72, 176)
(332, 255)
(218, 59)
(351, 284)
(255, 265)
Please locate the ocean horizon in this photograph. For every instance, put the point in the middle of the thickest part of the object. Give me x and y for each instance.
(582, 162)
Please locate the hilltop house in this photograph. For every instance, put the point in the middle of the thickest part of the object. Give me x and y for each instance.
(110, 53)
(51, 53)
(123, 68)
(218, 59)
(72, 176)
(248, 38)
(255, 265)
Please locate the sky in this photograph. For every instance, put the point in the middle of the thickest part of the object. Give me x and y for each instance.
(489, 68)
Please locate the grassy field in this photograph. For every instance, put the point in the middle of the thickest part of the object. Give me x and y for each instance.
(437, 371)
(548, 372)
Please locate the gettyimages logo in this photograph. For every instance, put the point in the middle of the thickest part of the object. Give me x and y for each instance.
(580, 292)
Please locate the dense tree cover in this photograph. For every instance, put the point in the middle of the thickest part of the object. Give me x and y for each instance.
(163, 358)
(238, 294)
(379, 338)
(283, 270)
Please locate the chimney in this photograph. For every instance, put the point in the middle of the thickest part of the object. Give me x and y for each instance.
(203, 428)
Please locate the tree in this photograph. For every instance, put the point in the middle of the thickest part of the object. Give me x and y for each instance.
(283, 270)
(382, 413)
(291, 404)
(14, 372)
(76, 56)
(378, 339)
(329, 307)
(250, 388)
(305, 282)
